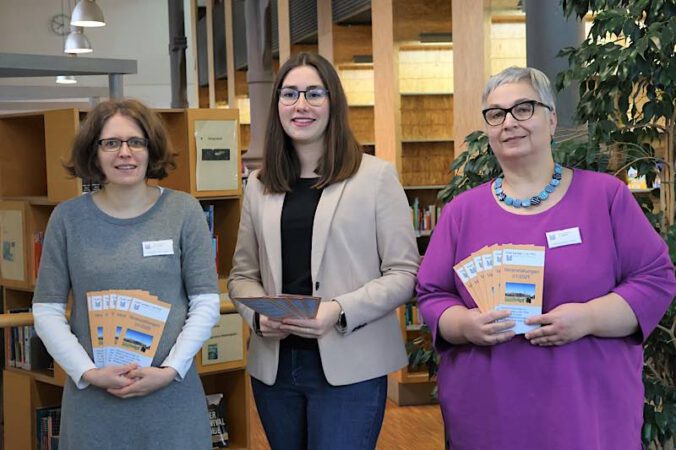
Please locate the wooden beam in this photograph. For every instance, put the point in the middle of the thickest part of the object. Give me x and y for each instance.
(284, 30)
(210, 53)
(325, 29)
(230, 55)
(387, 111)
(471, 65)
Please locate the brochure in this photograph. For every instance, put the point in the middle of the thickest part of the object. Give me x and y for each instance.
(126, 326)
(506, 277)
(283, 306)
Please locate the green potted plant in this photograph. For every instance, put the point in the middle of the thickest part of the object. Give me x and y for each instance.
(626, 72)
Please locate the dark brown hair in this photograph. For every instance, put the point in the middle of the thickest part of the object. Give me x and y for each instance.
(342, 157)
(84, 158)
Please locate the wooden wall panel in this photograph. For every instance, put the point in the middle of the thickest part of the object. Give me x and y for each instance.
(413, 17)
(426, 163)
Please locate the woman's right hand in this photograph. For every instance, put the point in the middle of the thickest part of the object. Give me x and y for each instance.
(111, 377)
(270, 328)
(483, 329)
(459, 325)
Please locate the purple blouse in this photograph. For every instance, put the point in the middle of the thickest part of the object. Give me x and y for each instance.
(587, 394)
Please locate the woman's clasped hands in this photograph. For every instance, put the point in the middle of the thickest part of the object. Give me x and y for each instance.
(129, 380)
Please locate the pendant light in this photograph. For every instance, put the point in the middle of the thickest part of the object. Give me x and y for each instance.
(87, 14)
(77, 42)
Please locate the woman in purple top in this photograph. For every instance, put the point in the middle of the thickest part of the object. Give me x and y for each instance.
(574, 382)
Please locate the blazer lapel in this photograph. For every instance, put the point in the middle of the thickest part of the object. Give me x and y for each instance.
(272, 237)
(322, 223)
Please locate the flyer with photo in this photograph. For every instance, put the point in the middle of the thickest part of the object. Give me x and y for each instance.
(506, 277)
(126, 326)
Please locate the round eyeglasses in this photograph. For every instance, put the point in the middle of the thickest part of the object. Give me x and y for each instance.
(135, 144)
(521, 111)
(315, 96)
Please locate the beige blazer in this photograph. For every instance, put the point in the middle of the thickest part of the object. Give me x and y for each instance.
(364, 255)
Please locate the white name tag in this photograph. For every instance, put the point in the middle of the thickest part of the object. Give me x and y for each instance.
(155, 248)
(561, 238)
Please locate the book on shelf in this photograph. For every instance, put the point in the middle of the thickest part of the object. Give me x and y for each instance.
(23, 347)
(47, 422)
(412, 318)
(219, 429)
(424, 217)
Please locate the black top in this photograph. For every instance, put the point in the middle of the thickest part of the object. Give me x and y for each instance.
(298, 214)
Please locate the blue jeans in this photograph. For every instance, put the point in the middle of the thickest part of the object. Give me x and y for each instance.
(303, 411)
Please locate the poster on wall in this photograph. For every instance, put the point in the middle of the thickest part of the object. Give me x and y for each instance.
(217, 151)
(11, 235)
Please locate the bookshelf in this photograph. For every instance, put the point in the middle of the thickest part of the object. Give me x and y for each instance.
(33, 181)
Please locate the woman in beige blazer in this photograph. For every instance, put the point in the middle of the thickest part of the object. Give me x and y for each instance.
(320, 218)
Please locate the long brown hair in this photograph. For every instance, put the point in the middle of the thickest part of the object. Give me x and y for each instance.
(342, 157)
(84, 159)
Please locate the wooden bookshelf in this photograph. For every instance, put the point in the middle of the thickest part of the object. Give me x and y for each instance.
(33, 148)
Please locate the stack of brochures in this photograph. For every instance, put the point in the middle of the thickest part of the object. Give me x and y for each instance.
(506, 277)
(126, 326)
(283, 306)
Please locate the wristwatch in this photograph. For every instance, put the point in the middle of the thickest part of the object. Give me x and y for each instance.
(341, 323)
(257, 325)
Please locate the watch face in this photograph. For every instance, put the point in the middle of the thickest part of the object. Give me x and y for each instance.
(60, 24)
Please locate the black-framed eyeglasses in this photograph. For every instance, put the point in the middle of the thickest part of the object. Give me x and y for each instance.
(135, 144)
(521, 111)
(315, 96)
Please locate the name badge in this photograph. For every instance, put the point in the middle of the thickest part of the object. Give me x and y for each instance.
(561, 238)
(156, 248)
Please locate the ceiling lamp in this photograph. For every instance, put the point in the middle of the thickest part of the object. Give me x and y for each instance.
(66, 79)
(77, 42)
(87, 14)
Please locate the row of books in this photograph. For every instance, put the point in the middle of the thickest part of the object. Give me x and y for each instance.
(424, 217)
(23, 348)
(48, 420)
(412, 318)
(47, 424)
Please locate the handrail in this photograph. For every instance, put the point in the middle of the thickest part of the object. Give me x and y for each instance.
(26, 318)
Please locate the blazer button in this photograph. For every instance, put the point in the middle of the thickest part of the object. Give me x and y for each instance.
(316, 285)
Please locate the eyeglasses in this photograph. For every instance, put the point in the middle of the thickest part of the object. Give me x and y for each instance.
(135, 144)
(315, 96)
(521, 111)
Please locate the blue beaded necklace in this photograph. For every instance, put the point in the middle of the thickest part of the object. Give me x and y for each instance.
(534, 200)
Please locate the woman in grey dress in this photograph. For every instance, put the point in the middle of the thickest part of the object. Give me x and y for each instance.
(128, 235)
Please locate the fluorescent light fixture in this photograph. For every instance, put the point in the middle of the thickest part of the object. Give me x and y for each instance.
(77, 42)
(66, 79)
(87, 14)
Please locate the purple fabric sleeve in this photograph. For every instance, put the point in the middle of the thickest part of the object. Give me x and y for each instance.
(647, 274)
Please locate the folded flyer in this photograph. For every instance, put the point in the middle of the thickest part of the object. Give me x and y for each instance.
(126, 326)
(506, 277)
(283, 306)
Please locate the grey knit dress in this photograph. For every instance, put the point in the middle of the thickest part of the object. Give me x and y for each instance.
(87, 250)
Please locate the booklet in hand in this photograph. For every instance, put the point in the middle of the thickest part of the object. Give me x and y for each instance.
(126, 326)
(283, 306)
(506, 277)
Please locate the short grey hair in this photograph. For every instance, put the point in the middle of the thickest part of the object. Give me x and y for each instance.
(538, 81)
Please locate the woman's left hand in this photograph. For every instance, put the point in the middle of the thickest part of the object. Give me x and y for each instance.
(146, 381)
(564, 324)
(326, 318)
